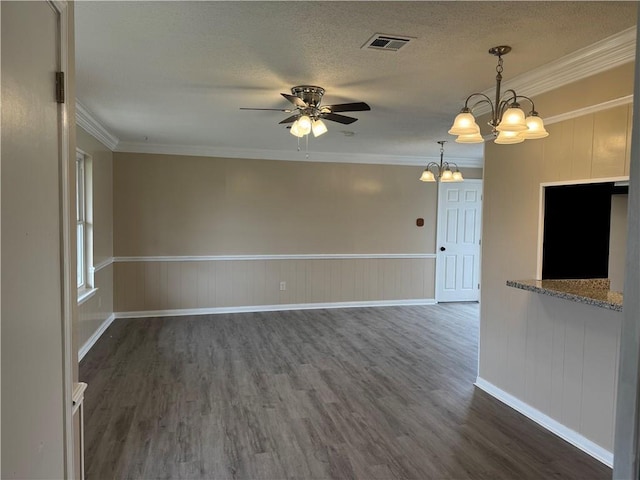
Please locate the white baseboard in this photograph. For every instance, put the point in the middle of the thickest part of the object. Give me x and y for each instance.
(273, 308)
(96, 335)
(564, 432)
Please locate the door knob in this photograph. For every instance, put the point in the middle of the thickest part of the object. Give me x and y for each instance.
(442, 249)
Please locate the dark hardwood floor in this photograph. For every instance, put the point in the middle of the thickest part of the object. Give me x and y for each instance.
(368, 393)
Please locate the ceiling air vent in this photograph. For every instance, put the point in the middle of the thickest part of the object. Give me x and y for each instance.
(391, 43)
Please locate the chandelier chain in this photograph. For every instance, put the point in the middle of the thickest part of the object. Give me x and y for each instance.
(499, 67)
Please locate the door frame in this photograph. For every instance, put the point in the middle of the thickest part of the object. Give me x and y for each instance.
(68, 292)
(439, 233)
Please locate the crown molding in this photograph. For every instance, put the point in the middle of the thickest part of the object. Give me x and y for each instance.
(289, 155)
(604, 55)
(86, 120)
(616, 102)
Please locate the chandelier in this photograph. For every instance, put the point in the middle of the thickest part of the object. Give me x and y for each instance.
(442, 172)
(508, 122)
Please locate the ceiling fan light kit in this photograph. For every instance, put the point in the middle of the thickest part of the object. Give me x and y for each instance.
(508, 121)
(318, 128)
(308, 114)
(441, 172)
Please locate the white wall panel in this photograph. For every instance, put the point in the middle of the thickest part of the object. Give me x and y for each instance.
(93, 312)
(556, 356)
(167, 285)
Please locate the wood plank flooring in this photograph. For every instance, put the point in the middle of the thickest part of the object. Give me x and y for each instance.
(367, 393)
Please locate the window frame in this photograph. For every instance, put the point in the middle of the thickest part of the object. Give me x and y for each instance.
(84, 217)
(81, 223)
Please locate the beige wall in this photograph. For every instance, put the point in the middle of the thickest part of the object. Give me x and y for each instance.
(93, 312)
(180, 205)
(555, 356)
(167, 205)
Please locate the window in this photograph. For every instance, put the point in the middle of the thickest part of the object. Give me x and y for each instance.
(84, 228)
(81, 229)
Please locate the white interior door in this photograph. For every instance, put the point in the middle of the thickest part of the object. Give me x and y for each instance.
(458, 241)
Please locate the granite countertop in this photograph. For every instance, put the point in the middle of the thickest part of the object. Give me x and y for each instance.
(591, 291)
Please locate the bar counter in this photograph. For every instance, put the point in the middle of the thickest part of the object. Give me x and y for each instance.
(590, 291)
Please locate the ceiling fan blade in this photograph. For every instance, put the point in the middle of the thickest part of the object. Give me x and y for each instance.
(295, 100)
(348, 107)
(285, 110)
(291, 119)
(334, 117)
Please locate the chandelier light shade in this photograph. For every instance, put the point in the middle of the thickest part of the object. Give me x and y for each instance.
(512, 120)
(536, 128)
(446, 176)
(464, 124)
(473, 138)
(507, 138)
(427, 176)
(508, 122)
(441, 172)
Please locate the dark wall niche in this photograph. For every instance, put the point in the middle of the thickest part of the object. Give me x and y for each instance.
(577, 222)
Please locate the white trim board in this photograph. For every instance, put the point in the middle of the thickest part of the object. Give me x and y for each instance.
(542, 419)
(606, 54)
(314, 256)
(249, 309)
(103, 264)
(616, 102)
(274, 308)
(82, 351)
(541, 206)
(85, 294)
(598, 107)
(584, 181)
(290, 155)
(86, 120)
(68, 286)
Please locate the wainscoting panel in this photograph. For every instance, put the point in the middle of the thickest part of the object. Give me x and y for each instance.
(556, 356)
(208, 283)
(93, 313)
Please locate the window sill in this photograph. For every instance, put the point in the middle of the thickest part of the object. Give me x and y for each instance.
(85, 294)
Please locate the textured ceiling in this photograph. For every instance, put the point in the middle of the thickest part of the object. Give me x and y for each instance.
(176, 73)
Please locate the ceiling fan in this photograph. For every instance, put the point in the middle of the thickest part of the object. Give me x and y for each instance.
(308, 113)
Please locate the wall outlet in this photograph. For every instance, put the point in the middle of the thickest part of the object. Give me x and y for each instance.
(283, 286)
